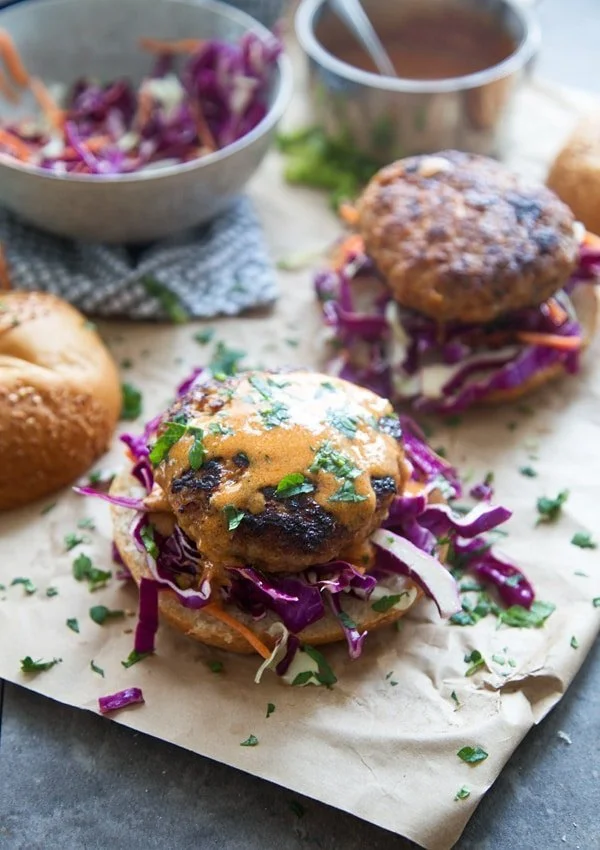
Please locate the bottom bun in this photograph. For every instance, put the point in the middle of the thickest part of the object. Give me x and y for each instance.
(587, 306)
(202, 627)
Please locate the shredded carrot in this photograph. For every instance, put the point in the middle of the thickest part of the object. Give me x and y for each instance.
(7, 91)
(171, 48)
(94, 144)
(348, 214)
(144, 108)
(16, 145)
(12, 60)
(352, 245)
(557, 313)
(561, 343)
(54, 114)
(591, 240)
(202, 128)
(255, 642)
(5, 282)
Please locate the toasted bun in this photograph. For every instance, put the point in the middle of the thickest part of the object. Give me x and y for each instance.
(575, 173)
(585, 299)
(204, 628)
(60, 396)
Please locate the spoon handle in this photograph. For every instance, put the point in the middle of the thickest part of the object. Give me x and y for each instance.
(353, 14)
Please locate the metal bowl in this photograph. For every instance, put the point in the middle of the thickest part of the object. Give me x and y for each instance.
(389, 117)
(62, 39)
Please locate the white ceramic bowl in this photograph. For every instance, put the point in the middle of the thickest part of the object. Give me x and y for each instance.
(61, 40)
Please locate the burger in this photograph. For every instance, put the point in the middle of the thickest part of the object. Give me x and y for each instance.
(462, 284)
(273, 512)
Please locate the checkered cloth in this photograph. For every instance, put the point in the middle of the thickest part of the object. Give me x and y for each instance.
(221, 268)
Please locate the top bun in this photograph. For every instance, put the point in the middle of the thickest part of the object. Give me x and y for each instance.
(60, 396)
(459, 237)
(575, 173)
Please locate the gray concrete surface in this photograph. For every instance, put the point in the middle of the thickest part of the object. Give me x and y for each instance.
(72, 780)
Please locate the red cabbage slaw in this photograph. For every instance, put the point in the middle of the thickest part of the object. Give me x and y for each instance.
(218, 93)
(114, 702)
(401, 355)
(406, 547)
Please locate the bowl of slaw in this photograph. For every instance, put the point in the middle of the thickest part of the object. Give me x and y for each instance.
(124, 121)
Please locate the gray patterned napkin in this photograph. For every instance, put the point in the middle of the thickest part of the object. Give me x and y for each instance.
(221, 268)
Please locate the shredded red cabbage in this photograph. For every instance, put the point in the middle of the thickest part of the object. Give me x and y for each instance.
(121, 501)
(147, 624)
(354, 638)
(513, 587)
(113, 702)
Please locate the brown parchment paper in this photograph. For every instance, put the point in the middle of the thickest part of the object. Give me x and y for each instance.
(380, 746)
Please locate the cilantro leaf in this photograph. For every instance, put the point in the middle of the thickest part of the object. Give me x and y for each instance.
(251, 741)
(100, 614)
(28, 665)
(73, 624)
(205, 336)
(96, 669)
(51, 591)
(293, 485)
(574, 643)
(224, 361)
(134, 657)
(386, 603)
(532, 618)
(86, 522)
(217, 429)
(343, 423)
(270, 709)
(197, 453)
(328, 459)
(275, 415)
(346, 620)
(325, 676)
(462, 793)
(550, 509)
(167, 299)
(476, 660)
(84, 570)
(347, 493)
(596, 601)
(216, 666)
(147, 535)
(161, 448)
(131, 405)
(528, 472)
(455, 699)
(261, 385)
(72, 540)
(233, 516)
(28, 586)
(472, 755)
(583, 540)
(303, 677)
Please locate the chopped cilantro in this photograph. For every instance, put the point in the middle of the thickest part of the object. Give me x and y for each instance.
(462, 793)
(84, 570)
(325, 676)
(476, 660)
(346, 620)
(72, 540)
(292, 342)
(275, 415)
(514, 580)
(28, 665)
(197, 453)
(169, 302)
(161, 448)
(131, 406)
(386, 603)
(73, 624)
(261, 385)
(499, 659)
(343, 423)
(532, 618)
(293, 485)
(28, 586)
(528, 472)
(303, 678)
(96, 669)
(147, 535)
(327, 385)
(330, 460)
(455, 699)
(219, 430)
(472, 755)
(596, 601)
(347, 493)
(51, 591)
(453, 421)
(86, 522)
(134, 657)
(233, 516)
(224, 360)
(216, 666)
(584, 540)
(205, 336)
(251, 741)
(550, 509)
(100, 614)
(574, 643)
(270, 709)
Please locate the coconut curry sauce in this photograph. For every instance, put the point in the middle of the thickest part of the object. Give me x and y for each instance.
(280, 471)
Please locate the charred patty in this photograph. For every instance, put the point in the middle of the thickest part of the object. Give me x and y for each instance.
(279, 471)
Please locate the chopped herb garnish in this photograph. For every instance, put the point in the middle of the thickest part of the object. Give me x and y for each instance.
(499, 659)
(48, 508)
(327, 385)
(219, 430)
(275, 415)
(293, 485)
(84, 570)
(87, 523)
(453, 421)
(325, 676)
(167, 299)
(596, 601)
(131, 406)
(197, 453)
(550, 509)
(28, 665)
(472, 755)
(584, 540)
(161, 448)
(386, 603)
(476, 660)
(147, 535)
(292, 342)
(528, 472)
(455, 699)
(205, 336)
(251, 741)
(28, 586)
(342, 422)
(574, 643)
(532, 618)
(270, 709)
(96, 669)
(134, 657)
(233, 516)
(100, 614)
(224, 361)
(216, 666)
(347, 493)
(514, 580)
(303, 678)
(330, 460)
(51, 591)
(73, 624)
(462, 793)
(72, 540)
(346, 620)
(261, 385)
